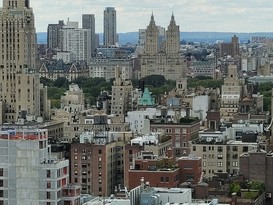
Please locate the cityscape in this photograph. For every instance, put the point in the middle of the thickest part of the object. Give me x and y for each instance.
(88, 118)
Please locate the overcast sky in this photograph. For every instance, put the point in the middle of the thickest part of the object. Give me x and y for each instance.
(191, 15)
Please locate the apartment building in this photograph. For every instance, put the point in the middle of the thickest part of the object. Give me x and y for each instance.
(106, 68)
(220, 151)
(28, 172)
(180, 133)
(162, 57)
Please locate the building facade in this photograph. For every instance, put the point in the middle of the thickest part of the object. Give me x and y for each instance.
(88, 22)
(20, 93)
(231, 94)
(28, 172)
(110, 36)
(105, 68)
(162, 57)
(77, 41)
(54, 37)
(121, 92)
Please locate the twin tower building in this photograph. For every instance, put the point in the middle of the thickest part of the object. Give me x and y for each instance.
(161, 54)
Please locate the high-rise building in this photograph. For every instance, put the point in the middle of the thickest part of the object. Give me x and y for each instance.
(54, 37)
(110, 37)
(76, 41)
(88, 22)
(230, 49)
(28, 172)
(231, 94)
(121, 92)
(162, 52)
(20, 94)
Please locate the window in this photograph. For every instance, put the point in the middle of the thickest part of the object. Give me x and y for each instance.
(48, 195)
(245, 149)
(48, 173)
(204, 164)
(220, 149)
(235, 164)
(1, 172)
(219, 156)
(166, 179)
(184, 131)
(177, 130)
(219, 164)
(161, 179)
(204, 156)
(204, 148)
(189, 177)
(100, 152)
(235, 148)
(194, 148)
(235, 156)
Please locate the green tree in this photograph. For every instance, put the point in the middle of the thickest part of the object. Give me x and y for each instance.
(46, 82)
(234, 188)
(61, 82)
(154, 80)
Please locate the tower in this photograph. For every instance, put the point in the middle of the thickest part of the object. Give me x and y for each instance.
(19, 84)
(172, 37)
(88, 22)
(54, 37)
(151, 42)
(110, 37)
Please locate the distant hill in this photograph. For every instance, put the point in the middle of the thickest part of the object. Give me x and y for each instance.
(207, 37)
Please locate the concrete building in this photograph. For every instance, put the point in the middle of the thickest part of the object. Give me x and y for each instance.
(162, 58)
(220, 151)
(77, 41)
(110, 37)
(204, 68)
(28, 173)
(88, 22)
(54, 36)
(106, 68)
(231, 94)
(121, 91)
(73, 100)
(20, 84)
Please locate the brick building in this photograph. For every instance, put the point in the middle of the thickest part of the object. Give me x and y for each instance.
(166, 171)
(180, 133)
(258, 165)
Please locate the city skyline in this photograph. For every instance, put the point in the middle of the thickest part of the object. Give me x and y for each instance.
(210, 15)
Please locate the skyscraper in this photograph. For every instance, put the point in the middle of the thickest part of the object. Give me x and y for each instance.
(110, 37)
(54, 39)
(88, 22)
(162, 52)
(19, 85)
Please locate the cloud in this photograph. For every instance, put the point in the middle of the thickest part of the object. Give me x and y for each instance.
(191, 15)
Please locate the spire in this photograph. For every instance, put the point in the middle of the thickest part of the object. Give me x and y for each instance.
(152, 21)
(172, 22)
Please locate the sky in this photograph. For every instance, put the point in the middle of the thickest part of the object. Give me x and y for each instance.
(191, 15)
